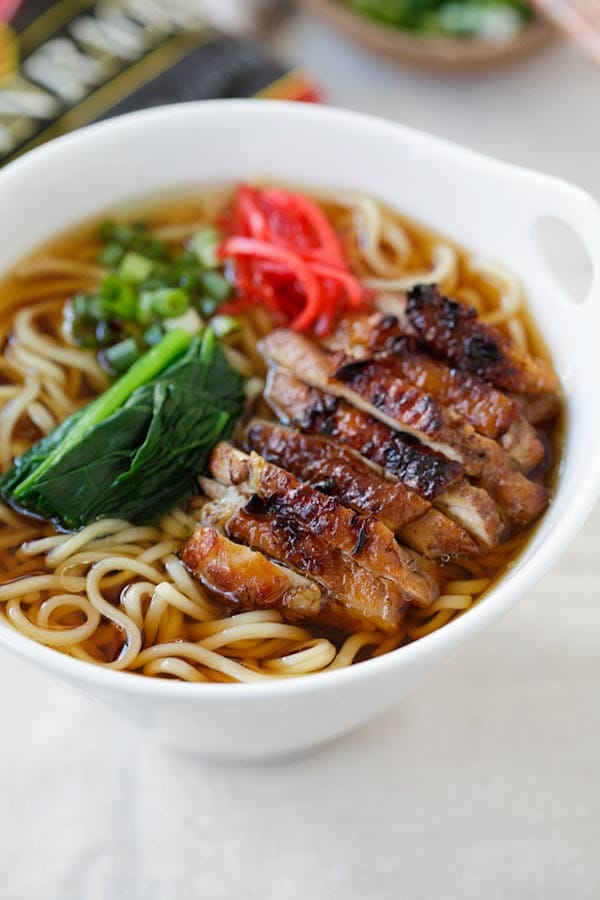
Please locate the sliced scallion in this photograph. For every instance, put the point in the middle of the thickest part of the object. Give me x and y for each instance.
(207, 306)
(89, 308)
(170, 303)
(121, 356)
(153, 335)
(162, 303)
(119, 297)
(190, 321)
(145, 308)
(79, 306)
(107, 332)
(216, 286)
(204, 245)
(83, 332)
(115, 233)
(224, 325)
(111, 256)
(136, 268)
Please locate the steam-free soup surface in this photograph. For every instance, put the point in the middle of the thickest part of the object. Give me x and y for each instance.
(144, 595)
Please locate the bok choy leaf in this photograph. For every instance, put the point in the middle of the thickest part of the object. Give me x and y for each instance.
(133, 452)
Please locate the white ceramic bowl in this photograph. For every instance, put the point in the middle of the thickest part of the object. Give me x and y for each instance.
(485, 205)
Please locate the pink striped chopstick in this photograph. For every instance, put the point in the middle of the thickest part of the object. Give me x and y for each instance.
(578, 19)
(8, 8)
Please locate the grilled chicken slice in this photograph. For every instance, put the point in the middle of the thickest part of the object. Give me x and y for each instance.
(336, 470)
(539, 409)
(487, 409)
(367, 602)
(428, 473)
(438, 537)
(363, 539)
(380, 382)
(523, 445)
(484, 407)
(370, 387)
(452, 332)
(243, 579)
(340, 473)
(475, 510)
(419, 468)
(491, 412)
(521, 499)
(355, 599)
(378, 392)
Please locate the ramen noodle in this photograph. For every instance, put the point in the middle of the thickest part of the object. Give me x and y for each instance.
(119, 594)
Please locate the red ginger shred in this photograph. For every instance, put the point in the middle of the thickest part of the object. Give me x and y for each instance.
(288, 258)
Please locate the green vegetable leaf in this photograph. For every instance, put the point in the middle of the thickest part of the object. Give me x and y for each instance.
(140, 458)
(146, 368)
(468, 18)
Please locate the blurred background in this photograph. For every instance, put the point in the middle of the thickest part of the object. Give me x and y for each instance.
(536, 103)
(515, 78)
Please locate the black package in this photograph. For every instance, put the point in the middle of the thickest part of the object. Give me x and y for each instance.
(68, 63)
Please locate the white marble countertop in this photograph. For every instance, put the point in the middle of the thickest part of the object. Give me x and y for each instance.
(483, 786)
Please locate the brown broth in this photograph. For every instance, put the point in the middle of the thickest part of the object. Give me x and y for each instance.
(81, 244)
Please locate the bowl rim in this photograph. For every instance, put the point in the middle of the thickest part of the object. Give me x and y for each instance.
(453, 634)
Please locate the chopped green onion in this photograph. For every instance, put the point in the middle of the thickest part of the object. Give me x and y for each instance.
(164, 303)
(190, 321)
(85, 340)
(111, 255)
(136, 268)
(207, 306)
(88, 307)
(153, 335)
(187, 257)
(204, 245)
(186, 279)
(82, 331)
(96, 309)
(224, 325)
(121, 356)
(144, 242)
(145, 309)
(119, 297)
(106, 333)
(170, 303)
(79, 306)
(151, 247)
(135, 238)
(114, 233)
(216, 286)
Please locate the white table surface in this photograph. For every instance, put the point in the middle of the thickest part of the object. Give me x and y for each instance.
(484, 786)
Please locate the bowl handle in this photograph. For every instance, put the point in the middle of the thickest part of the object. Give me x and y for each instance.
(581, 213)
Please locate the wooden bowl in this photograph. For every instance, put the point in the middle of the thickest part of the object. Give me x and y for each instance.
(426, 51)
